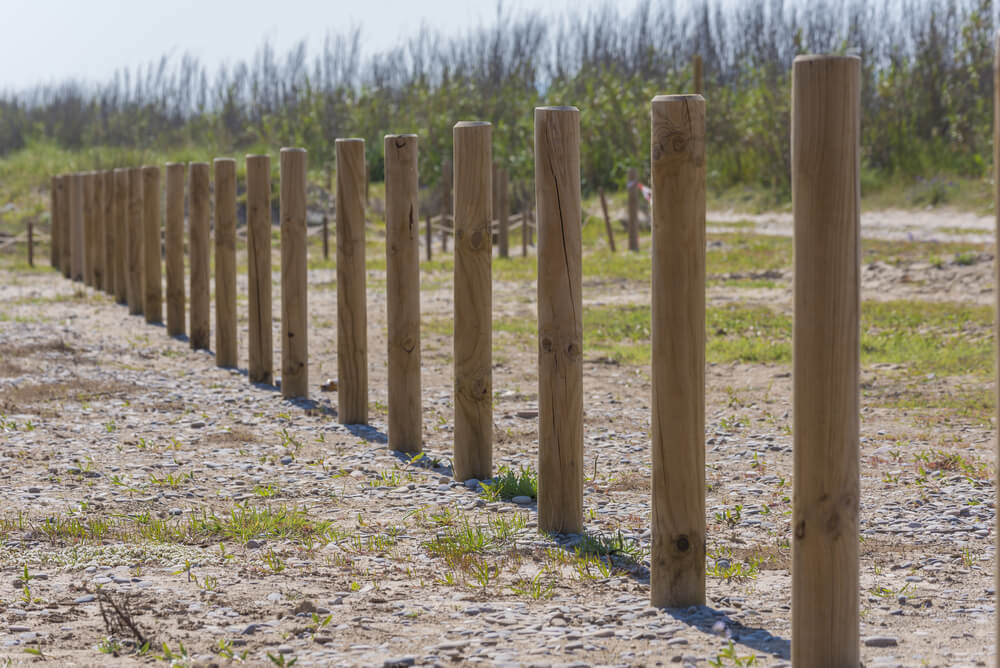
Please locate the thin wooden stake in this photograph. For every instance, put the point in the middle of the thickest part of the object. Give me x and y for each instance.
(199, 325)
(89, 231)
(119, 207)
(76, 225)
(31, 243)
(133, 230)
(560, 319)
(607, 220)
(174, 242)
(430, 252)
(633, 209)
(677, 577)
(152, 257)
(403, 299)
(473, 340)
(65, 225)
(352, 308)
(294, 306)
(99, 225)
(226, 347)
(110, 249)
(826, 350)
(54, 230)
(502, 212)
(261, 355)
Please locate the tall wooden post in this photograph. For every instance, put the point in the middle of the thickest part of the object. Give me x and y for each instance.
(560, 319)
(89, 232)
(429, 238)
(677, 152)
(226, 349)
(119, 208)
(294, 311)
(65, 225)
(152, 273)
(403, 299)
(76, 225)
(54, 230)
(108, 215)
(31, 243)
(473, 340)
(352, 308)
(633, 209)
(99, 226)
(525, 227)
(502, 211)
(199, 325)
(826, 487)
(607, 220)
(133, 229)
(174, 245)
(696, 66)
(260, 367)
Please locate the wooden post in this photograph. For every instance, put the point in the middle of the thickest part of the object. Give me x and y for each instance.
(403, 292)
(473, 340)
(31, 243)
(199, 325)
(294, 311)
(65, 226)
(696, 66)
(226, 349)
(89, 232)
(174, 243)
(76, 225)
(560, 319)
(99, 225)
(633, 209)
(152, 274)
(326, 236)
(54, 222)
(502, 212)
(826, 485)
(260, 367)
(607, 220)
(677, 577)
(446, 200)
(430, 252)
(108, 216)
(133, 229)
(524, 228)
(352, 308)
(120, 218)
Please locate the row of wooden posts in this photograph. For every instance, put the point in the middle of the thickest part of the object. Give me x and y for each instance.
(107, 233)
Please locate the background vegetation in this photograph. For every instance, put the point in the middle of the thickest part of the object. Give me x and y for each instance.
(927, 90)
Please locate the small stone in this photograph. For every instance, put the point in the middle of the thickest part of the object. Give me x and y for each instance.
(473, 484)
(274, 596)
(197, 425)
(89, 598)
(285, 649)
(522, 500)
(399, 662)
(881, 641)
(17, 628)
(254, 544)
(176, 511)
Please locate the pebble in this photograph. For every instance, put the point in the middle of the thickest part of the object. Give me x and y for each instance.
(522, 500)
(880, 641)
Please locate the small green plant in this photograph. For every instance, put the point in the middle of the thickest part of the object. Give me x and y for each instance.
(110, 646)
(729, 654)
(274, 562)
(509, 483)
(281, 661)
(537, 588)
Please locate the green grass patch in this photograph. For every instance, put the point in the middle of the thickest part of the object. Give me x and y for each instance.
(509, 483)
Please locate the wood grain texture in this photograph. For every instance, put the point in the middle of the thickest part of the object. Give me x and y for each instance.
(152, 253)
(99, 225)
(826, 487)
(294, 302)
(199, 290)
(677, 160)
(352, 307)
(260, 367)
(89, 228)
(473, 340)
(133, 228)
(119, 208)
(226, 347)
(77, 243)
(633, 209)
(560, 319)
(174, 247)
(403, 292)
(108, 216)
(66, 243)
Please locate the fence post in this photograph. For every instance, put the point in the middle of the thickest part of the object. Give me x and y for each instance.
(607, 220)
(120, 217)
(260, 367)
(826, 487)
(89, 232)
(54, 222)
(76, 225)
(560, 319)
(107, 208)
(31, 243)
(473, 340)
(403, 298)
(65, 225)
(226, 348)
(525, 226)
(199, 325)
(502, 212)
(174, 242)
(294, 312)
(633, 209)
(99, 226)
(133, 228)
(677, 160)
(352, 307)
(152, 274)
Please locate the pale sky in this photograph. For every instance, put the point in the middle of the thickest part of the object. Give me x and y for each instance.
(45, 41)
